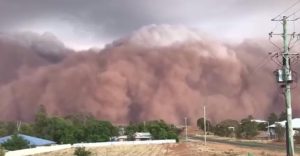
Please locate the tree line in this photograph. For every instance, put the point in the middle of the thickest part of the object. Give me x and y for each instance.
(79, 128)
(245, 128)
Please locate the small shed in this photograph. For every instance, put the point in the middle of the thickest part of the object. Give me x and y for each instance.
(33, 141)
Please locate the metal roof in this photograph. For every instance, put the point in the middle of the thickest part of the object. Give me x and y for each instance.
(259, 121)
(140, 135)
(33, 141)
(295, 123)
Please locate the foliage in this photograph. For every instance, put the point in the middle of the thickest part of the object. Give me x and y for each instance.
(272, 118)
(72, 129)
(200, 124)
(247, 129)
(226, 128)
(280, 132)
(157, 128)
(84, 128)
(15, 143)
(282, 116)
(262, 126)
(80, 151)
(41, 121)
(93, 127)
(9, 128)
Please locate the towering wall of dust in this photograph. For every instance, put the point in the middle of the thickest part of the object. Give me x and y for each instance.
(22, 53)
(159, 72)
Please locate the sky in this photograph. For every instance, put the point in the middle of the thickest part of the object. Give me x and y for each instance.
(82, 24)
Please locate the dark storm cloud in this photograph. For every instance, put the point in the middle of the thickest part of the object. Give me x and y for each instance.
(114, 18)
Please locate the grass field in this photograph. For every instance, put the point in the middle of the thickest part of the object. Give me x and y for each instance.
(180, 149)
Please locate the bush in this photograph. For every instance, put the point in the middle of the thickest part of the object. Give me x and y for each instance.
(80, 151)
(247, 129)
(224, 128)
(200, 124)
(15, 143)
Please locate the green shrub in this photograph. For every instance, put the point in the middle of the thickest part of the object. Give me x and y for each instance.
(80, 151)
(15, 143)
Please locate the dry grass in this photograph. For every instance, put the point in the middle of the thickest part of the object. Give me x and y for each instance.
(181, 149)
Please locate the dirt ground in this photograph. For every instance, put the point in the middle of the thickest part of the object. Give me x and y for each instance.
(180, 149)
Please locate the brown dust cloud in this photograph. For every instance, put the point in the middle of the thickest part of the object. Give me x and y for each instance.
(149, 74)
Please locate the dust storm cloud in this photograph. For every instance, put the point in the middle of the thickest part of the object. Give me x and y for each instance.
(150, 74)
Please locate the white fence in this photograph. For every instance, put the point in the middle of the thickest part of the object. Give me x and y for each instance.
(36, 150)
(43, 149)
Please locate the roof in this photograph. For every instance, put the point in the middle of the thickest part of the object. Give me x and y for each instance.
(33, 141)
(123, 137)
(139, 135)
(295, 123)
(259, 121)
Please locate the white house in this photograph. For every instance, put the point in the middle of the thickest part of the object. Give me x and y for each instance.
(142, 136)
(295, 124)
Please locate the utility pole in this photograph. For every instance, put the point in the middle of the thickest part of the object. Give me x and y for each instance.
(185, 122)
(287, 92)
(204, 114)
(284, 77)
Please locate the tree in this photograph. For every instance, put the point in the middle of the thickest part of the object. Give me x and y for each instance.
(282, 116)
(262, 126)
(247, 129)
(131, 129)
(226, 128)
(60, 130)
(74, 128)
(272, 118)
(15, 143)
(11, 128)
(41, 122)
(200, 124)
(99, 131)
(26, 128)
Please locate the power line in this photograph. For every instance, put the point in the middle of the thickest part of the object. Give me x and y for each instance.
(275, 26)
(297, 2)
(293, 13)
(264, 61)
